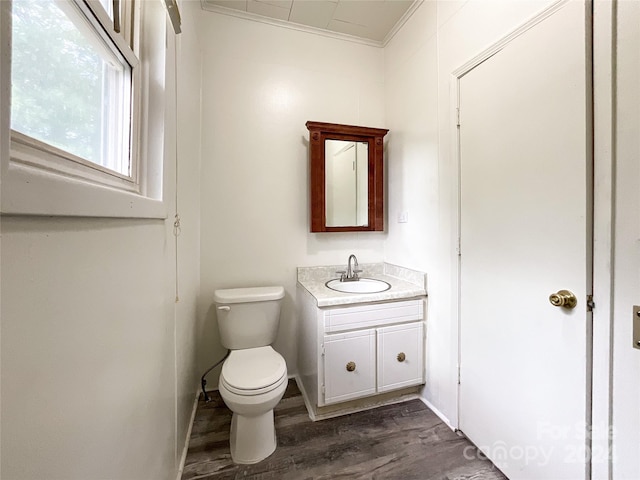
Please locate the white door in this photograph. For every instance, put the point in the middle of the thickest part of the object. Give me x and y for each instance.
(524, 219)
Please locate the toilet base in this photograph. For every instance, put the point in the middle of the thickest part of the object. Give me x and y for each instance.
(252, 438)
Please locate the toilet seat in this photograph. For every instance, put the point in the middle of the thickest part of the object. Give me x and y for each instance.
(253, 371)
(253, 392)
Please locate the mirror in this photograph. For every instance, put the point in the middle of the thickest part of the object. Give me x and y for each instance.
(346, 177)
(346, 183)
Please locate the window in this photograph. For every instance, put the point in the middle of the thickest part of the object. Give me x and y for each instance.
(70, 89)
(78, 145)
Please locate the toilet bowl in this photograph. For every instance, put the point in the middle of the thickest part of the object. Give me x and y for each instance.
(251, 384)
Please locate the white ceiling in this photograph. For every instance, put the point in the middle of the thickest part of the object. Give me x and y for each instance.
(366, 19)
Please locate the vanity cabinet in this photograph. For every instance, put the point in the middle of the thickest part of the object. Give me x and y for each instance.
(365, 362)
(359, 351)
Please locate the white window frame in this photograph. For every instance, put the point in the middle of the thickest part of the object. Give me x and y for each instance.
(39, 179)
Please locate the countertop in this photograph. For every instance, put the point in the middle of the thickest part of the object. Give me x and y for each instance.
(405, 283)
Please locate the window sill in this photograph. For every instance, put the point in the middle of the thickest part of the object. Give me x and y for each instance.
(37, 184)
(31, 191)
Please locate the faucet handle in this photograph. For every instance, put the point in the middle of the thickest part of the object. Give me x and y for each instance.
(343, 274)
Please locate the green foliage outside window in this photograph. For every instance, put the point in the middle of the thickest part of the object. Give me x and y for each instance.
(57, 89)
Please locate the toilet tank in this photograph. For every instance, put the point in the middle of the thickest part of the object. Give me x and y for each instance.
(248, 317)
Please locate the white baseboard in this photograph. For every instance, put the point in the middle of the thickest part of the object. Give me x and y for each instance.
(186, 440)
(305, 398)
(440, 415)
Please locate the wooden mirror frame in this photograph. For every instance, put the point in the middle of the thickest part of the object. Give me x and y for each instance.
(318, 133)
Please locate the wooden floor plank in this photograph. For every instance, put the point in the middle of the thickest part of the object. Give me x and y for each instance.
(403, 441)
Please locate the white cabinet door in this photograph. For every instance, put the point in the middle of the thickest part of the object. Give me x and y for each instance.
(400, 356)
(349, 365)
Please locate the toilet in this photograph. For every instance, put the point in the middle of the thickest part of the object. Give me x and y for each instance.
(254, 375)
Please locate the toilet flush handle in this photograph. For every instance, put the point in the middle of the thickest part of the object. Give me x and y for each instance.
(226, 308)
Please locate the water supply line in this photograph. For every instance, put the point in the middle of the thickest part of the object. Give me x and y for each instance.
(203, 382)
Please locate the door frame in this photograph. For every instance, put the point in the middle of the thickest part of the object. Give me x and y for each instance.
(601, 60)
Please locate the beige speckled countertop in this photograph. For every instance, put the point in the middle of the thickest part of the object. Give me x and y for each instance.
(405, 283)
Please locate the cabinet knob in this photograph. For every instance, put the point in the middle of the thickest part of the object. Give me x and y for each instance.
(401, 357)
(351, 366)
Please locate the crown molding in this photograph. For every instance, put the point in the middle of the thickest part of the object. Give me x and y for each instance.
(313, 30)
(290, 25)
(400, 23)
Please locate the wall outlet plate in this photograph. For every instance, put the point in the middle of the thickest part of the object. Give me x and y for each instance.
(636, 327)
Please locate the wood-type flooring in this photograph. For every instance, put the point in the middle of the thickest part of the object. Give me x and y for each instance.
(401, 441)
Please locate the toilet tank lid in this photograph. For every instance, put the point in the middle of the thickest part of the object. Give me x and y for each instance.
(250, 294)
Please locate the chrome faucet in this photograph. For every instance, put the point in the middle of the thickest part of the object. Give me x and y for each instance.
(351, 274)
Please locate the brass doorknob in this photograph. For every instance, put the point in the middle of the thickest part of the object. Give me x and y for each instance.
(401, 357)
(351, 366)
(564, 298)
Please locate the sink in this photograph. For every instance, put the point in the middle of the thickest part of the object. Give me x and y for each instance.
(364, 285)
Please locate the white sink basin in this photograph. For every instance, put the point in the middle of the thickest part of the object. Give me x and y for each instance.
(364, 285)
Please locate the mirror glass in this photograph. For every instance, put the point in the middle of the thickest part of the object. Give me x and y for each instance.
(346, 183)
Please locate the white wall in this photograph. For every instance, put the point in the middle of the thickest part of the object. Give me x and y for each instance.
(411, 100)
(626, 360)
(188, 244)
(419, 61)
(439, 38)
(98, 375)
(261, 83)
